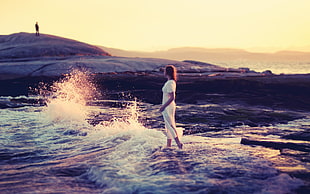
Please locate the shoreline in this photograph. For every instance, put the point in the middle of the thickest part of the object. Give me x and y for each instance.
(253, 101)
(275, 91)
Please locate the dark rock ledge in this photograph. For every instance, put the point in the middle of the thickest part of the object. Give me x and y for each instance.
(276, 145)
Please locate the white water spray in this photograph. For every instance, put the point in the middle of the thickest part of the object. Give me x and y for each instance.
(67, 98)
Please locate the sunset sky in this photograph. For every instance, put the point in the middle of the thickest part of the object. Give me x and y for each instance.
(257, 25)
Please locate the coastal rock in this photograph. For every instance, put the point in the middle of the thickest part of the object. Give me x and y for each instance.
(24, 54)
(27, 45)
(244, 69)
(197, 66)
(267, 72)
(276, 145)
(27, 55)
(302, 135)
(58, 66)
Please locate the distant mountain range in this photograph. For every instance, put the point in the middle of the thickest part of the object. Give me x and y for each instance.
(213, 55)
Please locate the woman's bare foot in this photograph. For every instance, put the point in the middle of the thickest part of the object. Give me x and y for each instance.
(177, 140)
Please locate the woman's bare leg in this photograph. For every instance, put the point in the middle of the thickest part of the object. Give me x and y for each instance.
(180, 145)
(169, 142)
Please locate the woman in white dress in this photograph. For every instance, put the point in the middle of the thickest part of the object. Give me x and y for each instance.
(168, 106)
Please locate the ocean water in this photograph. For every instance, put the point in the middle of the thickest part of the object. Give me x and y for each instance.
(277, 67)
(79, 143)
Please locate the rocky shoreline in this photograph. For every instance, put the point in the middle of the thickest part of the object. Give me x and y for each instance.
(277, 91)
(258, 101)
(222, 97)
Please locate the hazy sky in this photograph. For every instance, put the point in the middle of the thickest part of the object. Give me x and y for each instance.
(163, 24)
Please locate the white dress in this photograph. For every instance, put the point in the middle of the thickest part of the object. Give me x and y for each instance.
(169, 112)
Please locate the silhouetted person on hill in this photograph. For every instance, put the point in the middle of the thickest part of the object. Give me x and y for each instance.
(37, 29)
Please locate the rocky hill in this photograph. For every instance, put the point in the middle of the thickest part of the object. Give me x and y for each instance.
(27, 45)
(27, 55)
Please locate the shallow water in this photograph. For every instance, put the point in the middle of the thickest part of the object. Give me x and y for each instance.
(78, 144)
(44, 154)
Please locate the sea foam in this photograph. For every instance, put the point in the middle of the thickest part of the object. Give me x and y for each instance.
(66, 99)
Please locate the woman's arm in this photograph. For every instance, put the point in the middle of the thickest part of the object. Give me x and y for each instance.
(171, 98)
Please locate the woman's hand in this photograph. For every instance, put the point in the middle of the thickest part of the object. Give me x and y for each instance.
(171, 98)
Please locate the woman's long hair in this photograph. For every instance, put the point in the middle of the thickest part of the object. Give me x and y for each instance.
(171, 71)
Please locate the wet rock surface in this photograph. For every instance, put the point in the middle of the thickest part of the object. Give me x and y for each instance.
(204, 103)
(277, 145)
(283, 91)
(301, 135)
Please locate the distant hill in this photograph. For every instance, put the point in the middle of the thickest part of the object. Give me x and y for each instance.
(25, 45)
(214, 55)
